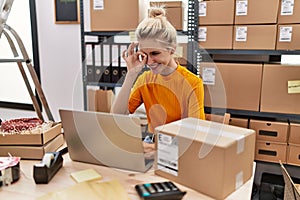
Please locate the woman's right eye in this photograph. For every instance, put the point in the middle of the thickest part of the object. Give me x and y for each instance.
(155, 53)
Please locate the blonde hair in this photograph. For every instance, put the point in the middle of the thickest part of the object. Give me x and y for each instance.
(157, 27)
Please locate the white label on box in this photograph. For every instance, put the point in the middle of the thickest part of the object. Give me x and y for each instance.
(241, 8)
(241, 34)
(287, 7)
(294, 87)
(239, 179)
(202, 9)
(209, 75)
(202, 34)
(98, 4)
(285, 34)
(167, 153)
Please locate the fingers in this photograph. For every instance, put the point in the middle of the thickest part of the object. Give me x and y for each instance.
(131, 48)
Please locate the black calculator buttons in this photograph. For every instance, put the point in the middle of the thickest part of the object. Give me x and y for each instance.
(159, 191)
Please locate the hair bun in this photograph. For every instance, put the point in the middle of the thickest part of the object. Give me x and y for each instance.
(157, 12)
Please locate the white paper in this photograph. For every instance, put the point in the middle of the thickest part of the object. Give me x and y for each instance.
(167, 153)
(287, 7)
(98, 4)
(285, 34)
(209, 75)
(241, 34)
(202, 34)
(241, 8)
(202, 9)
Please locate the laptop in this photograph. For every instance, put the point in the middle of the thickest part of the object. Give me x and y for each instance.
(107, 139)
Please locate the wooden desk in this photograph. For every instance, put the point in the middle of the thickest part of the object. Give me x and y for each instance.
(25, 188)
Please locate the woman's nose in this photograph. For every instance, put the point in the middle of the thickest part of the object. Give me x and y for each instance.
(149, 60)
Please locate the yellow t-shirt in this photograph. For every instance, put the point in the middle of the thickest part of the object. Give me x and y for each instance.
(168, 98)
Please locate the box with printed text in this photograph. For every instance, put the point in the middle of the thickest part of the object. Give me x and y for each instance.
(210, 157)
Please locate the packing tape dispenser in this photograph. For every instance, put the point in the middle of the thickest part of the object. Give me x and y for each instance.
(44, 171)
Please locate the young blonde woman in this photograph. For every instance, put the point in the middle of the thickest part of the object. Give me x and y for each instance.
(168, 90)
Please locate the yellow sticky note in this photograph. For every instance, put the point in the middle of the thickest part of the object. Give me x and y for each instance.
(294, 87)
(86, 175)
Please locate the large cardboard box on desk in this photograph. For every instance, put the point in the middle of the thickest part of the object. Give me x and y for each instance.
(210, 157)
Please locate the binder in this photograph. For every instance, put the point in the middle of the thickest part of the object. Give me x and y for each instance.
(106, 52)
(115, 63)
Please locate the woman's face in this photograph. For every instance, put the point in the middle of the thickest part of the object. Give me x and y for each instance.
(158, 57)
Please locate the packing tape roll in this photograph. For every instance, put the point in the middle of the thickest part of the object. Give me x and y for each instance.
(48, 157)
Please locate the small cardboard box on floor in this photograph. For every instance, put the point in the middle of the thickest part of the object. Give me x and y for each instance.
(212, 158)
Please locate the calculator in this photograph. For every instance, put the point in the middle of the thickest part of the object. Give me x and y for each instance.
(159, 191)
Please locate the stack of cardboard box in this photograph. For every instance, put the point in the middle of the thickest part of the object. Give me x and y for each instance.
(32, 145)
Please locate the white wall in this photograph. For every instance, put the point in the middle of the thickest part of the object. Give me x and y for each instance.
(60, 63)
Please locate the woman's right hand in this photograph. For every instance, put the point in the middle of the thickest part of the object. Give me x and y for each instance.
(135, 61)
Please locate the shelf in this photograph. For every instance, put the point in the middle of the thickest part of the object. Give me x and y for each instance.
(256, 114)
(250, 52)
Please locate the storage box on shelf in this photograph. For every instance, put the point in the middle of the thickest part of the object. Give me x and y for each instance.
(256, 12)
(215, 37)
(232, 85)
(174, 12)
(288, 37)
(219, 12)
(289, 12)
(254, 37)
(116, 15)
(280, 89)
(271, 140)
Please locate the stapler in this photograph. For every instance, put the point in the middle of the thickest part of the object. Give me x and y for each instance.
(44, 171)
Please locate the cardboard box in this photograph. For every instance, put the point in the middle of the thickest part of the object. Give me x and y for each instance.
(181, 54)
(294, 136)
(31, 139)
(288, 37)
(215, 37)
(175, 12)
(280, 89)
(289, 13)
(256, 12)
(100, 100)
(115, 15)
(32, 152)
(293, 156)
(216, 12)
(270, 151)
(240, 122)
(270, 131)
(254, 37)
(200, 154)
(232, 85)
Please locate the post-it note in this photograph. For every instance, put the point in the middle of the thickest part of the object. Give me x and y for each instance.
(86, 175)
